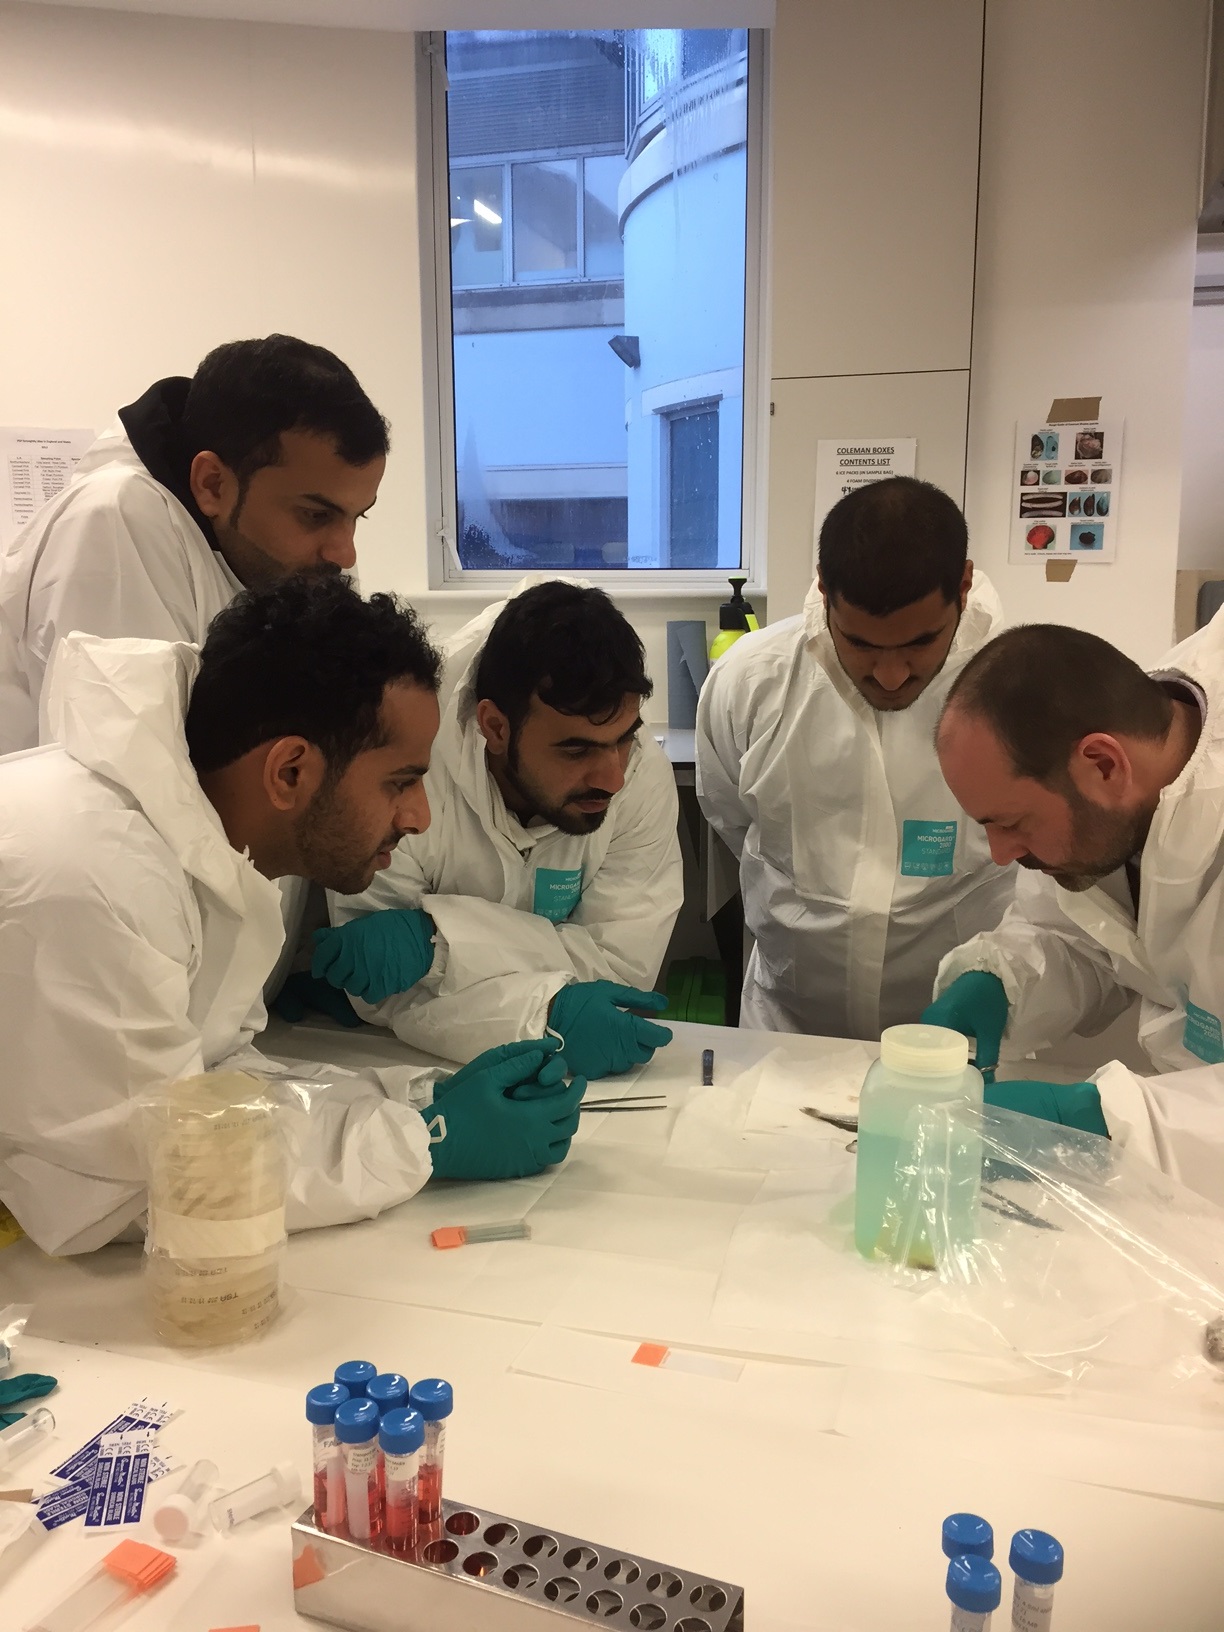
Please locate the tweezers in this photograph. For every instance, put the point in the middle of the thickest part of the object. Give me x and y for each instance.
(631, 1102)
(992, 1200)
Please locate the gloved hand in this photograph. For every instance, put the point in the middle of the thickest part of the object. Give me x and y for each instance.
(599, 1036)
(1070, 1104)
(505, 1115)
(302, 994)
(976, 1005)
(376, 956)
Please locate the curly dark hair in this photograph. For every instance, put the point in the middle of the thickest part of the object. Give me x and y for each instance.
(307, 658)
(568, 646)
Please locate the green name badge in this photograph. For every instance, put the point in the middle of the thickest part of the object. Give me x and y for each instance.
(1202, 1035)
(558, 891)
(928, 849)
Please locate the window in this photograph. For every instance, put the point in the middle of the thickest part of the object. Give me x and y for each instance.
(596, 287)
(692, 487)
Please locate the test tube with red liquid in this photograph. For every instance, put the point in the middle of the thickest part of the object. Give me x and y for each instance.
(357, 1431)
(435, 1402)
(401, 1435)
(389, 1391)
(321, 1406)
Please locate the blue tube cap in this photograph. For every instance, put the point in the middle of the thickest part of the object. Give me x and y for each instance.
(390, 1391)
(356, 1421)
(401, 1433)
(974, 1584)
(432, 1398)
(967, 1536)
(356, 1375)
(1036, 1557)
(322, 1402)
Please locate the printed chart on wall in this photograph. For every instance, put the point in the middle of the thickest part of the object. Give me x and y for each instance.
(1065, 490)
(35, 465)
(842, 465)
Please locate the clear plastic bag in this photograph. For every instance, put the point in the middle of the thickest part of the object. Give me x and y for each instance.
(1084, 1260)
(218, 1153)
(13, 1319)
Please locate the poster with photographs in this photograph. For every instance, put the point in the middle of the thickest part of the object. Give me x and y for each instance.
(1065, 491)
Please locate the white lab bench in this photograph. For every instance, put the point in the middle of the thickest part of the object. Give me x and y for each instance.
(817, 1484)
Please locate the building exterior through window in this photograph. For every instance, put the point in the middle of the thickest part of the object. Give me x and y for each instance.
(598, 207)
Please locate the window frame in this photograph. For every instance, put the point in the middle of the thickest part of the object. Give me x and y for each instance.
(445, 570)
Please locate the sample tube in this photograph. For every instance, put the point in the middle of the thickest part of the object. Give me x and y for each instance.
(1037, 1560)
(400, 1437)
(279, 1487)
(389, 1392)
(975, 1588)
(321, 1406)
(967, 1536)
(20, 1437)
(357, 1430)
(435, 1401)
(182, 1514)
(356, 1376)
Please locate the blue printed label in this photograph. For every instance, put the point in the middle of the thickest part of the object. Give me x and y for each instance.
(558, 891)
(927, 849)
(1202, 1035)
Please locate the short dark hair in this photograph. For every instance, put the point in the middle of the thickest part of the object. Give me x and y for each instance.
(247, 393)
(568, 646)
(307, 658)
(1042, 688)
(891, 543)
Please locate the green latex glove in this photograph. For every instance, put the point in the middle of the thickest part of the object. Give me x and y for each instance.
(506, 1115)
(600, 1035)
(376, 956)
(1070, 1104)
(303, 994)
(29, 1386)
(976, 1005)
(551, 1073)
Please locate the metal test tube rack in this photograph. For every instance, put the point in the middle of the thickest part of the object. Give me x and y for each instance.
(481, 1570)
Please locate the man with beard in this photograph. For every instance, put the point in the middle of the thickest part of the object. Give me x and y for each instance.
(260, 464)
(544, 893)
(816, 764)
(139, 916)
(1106, 786)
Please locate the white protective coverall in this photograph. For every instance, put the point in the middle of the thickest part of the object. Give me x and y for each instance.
(1072, 962)
(858, 869)
(134, 941)
(521, 911)
(116, 553)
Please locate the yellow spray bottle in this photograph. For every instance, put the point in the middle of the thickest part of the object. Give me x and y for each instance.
(735, 618)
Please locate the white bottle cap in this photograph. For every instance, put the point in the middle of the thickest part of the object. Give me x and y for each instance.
(924, 1051)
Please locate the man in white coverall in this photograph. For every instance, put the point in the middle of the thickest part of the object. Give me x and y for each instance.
(1106, 785)
(816, 763)
(544, 893)
(139, 918)
(260, 464)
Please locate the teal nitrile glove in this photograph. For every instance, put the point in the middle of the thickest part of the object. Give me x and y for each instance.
(377, 956)
(1070, 1104)
(599, 1036)
(976, 1005)
(488, 1130)
(31, 1385)
(303, 994)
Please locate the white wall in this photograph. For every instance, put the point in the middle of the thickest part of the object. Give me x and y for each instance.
(1093, 116)
(875, 137)
(1201, 547)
